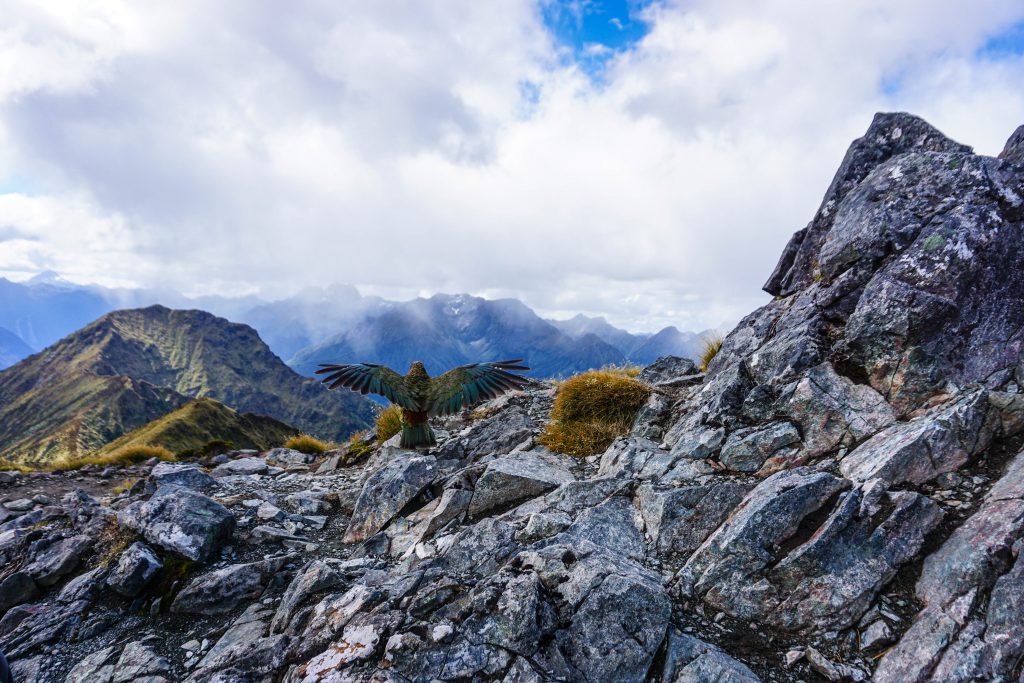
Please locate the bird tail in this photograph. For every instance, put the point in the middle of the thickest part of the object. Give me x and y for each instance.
(418, 435)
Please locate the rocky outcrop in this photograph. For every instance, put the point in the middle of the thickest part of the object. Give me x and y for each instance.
(182, 521)
(838, 498)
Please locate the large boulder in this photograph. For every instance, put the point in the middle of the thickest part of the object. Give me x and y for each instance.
(803, 552)
(182, 521)
(507, 481)
(223, 590)
(186, 475)
(387, 491)
(58, 559)
(917, 451)
(240, 467)
(135, 568)
(691, 660)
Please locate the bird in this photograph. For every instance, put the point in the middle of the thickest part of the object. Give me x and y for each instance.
(421, 396)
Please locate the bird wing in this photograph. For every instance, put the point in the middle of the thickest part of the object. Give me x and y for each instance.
(368, 378)
(470, 384)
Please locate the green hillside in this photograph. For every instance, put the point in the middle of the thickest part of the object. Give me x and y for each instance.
(130, 367)
(198, 422)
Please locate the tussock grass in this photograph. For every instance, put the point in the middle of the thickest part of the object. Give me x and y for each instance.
(389, 423)
(113, 541)
(358, 447)
(208, 450)
(591, 410)
(8, 466)
(712, 345)
(125, 485)
(128, 455)
(304, 443)
(626, 370)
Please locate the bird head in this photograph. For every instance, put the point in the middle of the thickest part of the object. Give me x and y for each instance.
(417, 369)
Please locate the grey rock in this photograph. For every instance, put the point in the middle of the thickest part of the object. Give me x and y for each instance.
(265, 533)
(453, 503)
(700, 443)
(314, 577)
(832, 411)
(678, 520)
(182, 521)
(387, 491)
(186, 475)
(889, 135)
(58, 560)
(667, 368)
(780, 560)
(140, 662)
(981, 556)
(746, 450)
(543, 525)
(690, 660)
(635, 456)
(135, 568)
(306, 503)
(494, 435)
(240, 467)
(222, 590)
(20, 505)
(270, 512)
(609, 525)
(877, 634)
(16, 589)
(85, 586)
(27, 628)
(97, 667)
(243, 653)
(939, 441)
(287, 457)
(511, 480)
(618, 624)
(831, 670)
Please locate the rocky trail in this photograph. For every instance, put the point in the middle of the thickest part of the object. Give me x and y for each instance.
(840, 497)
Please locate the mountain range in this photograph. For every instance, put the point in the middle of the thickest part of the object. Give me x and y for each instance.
(339, 324)
(130, 367)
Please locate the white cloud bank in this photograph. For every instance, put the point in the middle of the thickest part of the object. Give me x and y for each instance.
(415, 147)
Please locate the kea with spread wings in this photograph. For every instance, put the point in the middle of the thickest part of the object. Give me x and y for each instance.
(421, 396)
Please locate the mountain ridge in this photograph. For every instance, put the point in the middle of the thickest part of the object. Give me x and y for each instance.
(47, 309)
(130, 367)
(444, 331)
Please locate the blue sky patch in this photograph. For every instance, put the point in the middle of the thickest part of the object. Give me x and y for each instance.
(593, 31)
(1009, 43)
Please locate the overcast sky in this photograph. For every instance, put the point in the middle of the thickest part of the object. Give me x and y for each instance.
(644, 161)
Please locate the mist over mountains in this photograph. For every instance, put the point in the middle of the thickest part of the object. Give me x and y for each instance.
(338, 324)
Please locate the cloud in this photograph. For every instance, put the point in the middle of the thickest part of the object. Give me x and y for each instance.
(448, 146)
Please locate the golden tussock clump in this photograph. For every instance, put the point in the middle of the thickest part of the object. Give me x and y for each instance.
(591, 410)
(389, 423)
(712, 345)
(129, 455)
(630, 371)
(304, 443)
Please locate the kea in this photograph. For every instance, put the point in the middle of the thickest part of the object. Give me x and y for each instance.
(421, 396)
